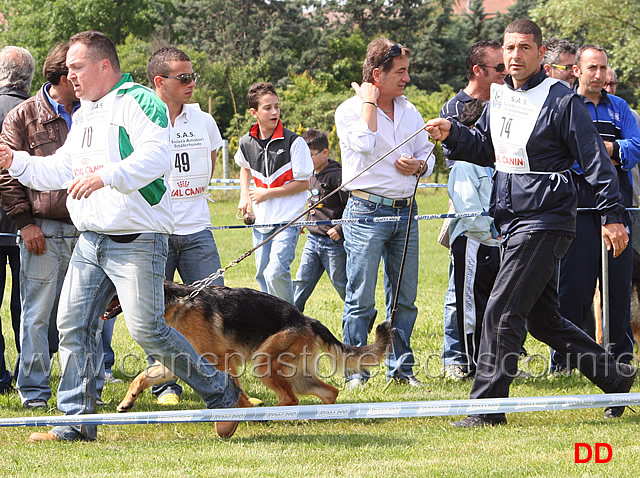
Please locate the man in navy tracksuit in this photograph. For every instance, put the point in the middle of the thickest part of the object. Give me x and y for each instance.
(580, 267)
(533, 130)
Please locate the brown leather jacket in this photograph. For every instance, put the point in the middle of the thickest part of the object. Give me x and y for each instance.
(33, 126)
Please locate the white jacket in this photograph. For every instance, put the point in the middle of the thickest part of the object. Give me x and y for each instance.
(128, 147)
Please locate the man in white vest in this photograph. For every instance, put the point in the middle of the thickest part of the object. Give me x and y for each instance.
(533, 130)
(194, 141)
(114, 166)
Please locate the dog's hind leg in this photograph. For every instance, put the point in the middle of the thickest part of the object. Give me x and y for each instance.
(153, 375)
(314, 386)
(269, 371)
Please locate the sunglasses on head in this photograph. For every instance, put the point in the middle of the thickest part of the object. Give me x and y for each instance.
(185, 78)
(395, 50)
(499, 67)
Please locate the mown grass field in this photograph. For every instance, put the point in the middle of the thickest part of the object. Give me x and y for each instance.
(532, 444)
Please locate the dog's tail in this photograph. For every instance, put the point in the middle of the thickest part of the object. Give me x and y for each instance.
(350, 358)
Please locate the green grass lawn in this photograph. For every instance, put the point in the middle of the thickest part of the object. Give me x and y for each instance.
(532, 444)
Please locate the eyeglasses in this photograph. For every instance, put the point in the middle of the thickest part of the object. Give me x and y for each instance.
(317, 153)
(395, 50)
(562, 67)
(185, 78)
(499, 67)
(611, 84)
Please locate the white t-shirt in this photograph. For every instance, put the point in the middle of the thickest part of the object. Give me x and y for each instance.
(193, 137)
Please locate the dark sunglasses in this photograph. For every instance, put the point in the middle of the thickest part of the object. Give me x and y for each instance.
(499, 67)
(185, 78)
(395, 50)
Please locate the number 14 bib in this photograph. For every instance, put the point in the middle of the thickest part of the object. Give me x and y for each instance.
(513, 117)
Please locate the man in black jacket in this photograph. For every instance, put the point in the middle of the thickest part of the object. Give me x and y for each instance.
(533, 129)
(16, 72)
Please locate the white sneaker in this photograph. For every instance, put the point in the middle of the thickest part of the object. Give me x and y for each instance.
(454, 372)
(109, 378)
(355, 383)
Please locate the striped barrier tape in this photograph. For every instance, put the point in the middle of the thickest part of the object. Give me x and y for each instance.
(339, 411)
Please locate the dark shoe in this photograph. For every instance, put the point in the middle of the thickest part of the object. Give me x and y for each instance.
(628, 375)
(35, 403)
(473, 421)
(227, 429)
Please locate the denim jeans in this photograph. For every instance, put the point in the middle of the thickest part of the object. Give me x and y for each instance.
(41, 279)
(273, 261)
(320, 253)
(195, 256)
(366, 244)
(451, 344)
(99, 268)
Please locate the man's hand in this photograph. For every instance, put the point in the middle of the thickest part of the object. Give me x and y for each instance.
(407, 165)
(83, 186)
(6, 156)
(438, 128)
(615, 235)
(366, 91)
(34, 239)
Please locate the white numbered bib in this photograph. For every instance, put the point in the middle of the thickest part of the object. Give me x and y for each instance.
(92, 121)
(513, 117)
(191, 156)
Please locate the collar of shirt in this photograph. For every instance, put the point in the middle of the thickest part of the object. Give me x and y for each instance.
(58, 108)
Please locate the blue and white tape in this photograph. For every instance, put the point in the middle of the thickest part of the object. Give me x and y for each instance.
(339, 411)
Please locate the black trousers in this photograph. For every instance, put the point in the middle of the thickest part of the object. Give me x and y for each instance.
(525, 295)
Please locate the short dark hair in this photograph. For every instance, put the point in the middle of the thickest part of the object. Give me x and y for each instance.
(55, 65)
(471, 111)
(526, 27)
(316, 139)
(589, 46)
(257, 91)
(100, 47)
(376, 50)
(478, 54)
(158, 64)
(555, 48)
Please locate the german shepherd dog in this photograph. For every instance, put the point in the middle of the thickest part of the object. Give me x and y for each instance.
(635, 299)
(233, 326)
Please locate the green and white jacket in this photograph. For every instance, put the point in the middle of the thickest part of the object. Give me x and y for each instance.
(122, 137)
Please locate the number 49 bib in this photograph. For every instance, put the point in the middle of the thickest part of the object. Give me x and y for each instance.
(513, 117)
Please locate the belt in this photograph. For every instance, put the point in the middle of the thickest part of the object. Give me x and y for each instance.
(398, 203)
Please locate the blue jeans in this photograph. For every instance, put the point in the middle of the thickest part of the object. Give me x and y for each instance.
(195, 256)
(366, 244)
(321, 253)
(273, 261)
(100, 268)
(41, 279)
(451, 344)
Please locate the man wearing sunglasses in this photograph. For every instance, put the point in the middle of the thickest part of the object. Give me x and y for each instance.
(369, 124)
(193, 143)
(484, 67)
(559, 59)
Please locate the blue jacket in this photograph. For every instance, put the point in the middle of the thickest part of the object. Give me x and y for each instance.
(563, 133)
(614, 121)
